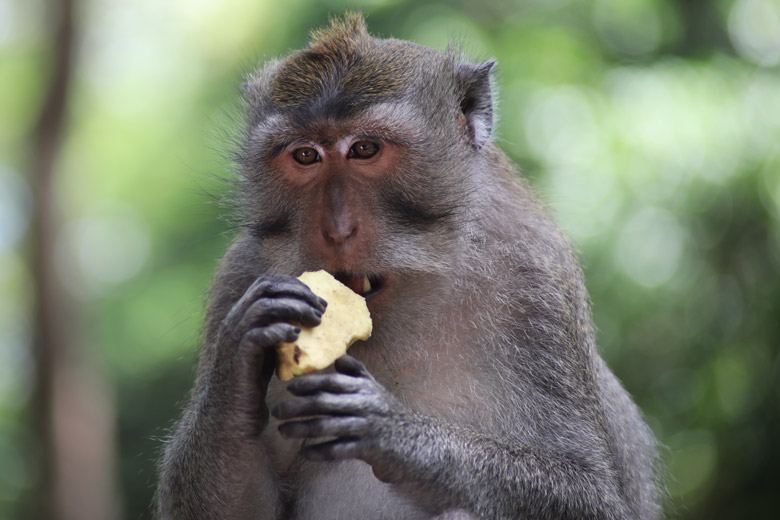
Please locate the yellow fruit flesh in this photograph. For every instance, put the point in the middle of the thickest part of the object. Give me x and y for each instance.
(346, 320)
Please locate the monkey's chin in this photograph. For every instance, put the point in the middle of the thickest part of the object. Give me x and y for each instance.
(366, 285)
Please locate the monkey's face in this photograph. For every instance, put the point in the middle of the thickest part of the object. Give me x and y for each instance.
(335, 179)
(356, 197)
(359, 159)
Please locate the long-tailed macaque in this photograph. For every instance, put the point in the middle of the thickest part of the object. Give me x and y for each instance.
(480, 394)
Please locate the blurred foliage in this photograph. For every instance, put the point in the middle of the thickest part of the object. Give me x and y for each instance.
(651, 128)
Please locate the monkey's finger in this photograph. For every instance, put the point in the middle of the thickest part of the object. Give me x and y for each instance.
(325, 427)
(333, 450)
(350, 366)
(270, 335)
(333, 383)
(284, 286)
(275, 287)
(322, 404)
(268, 310)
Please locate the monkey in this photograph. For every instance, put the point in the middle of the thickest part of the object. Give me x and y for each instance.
(481, 393)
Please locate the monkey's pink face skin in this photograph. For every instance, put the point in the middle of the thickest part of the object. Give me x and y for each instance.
(334, 183)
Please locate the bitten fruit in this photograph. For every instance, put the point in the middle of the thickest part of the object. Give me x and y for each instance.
(346, 320)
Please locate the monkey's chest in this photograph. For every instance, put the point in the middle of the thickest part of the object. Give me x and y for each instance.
(347, 489)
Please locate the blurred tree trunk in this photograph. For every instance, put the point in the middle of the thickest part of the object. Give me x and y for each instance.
(72, 410)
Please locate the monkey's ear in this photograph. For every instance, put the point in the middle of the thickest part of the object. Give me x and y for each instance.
(477, 100)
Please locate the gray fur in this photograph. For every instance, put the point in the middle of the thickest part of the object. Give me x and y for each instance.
(493, 401)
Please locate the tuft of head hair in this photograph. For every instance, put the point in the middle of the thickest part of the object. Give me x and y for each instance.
(344, 32)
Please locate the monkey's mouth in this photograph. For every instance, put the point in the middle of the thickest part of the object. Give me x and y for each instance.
(366, 285)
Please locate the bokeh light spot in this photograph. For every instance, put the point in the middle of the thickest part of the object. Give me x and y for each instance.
(585, 202)
(754, 27)
(437, 26)
(694, 456)
(102, 250)
(650, 246)
(561, 127)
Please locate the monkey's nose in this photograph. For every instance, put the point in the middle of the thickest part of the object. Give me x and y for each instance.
(339, 237)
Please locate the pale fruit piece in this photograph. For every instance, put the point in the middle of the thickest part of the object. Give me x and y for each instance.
(346, 320)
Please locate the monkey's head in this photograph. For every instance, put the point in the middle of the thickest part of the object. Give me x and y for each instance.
(359, 154)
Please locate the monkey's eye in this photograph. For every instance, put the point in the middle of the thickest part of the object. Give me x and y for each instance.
(306, 155)
(363, 149)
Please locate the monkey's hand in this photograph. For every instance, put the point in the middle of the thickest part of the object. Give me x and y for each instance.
(264, 316)
(439, 465)
(349, 405)
(214, 466)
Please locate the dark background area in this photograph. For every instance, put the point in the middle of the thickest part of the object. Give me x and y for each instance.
(649, 127)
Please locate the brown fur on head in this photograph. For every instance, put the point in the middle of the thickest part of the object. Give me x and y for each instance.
(343, 64)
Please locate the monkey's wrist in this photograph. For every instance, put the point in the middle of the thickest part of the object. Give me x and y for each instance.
(235, 419)
(235, 402)
(395, 446)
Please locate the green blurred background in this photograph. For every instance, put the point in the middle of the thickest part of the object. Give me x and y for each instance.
(650, 127)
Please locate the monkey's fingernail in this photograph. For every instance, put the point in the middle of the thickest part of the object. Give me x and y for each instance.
(297, 330)
(323, 302)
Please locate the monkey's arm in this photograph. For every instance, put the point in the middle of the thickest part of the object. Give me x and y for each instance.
(208, 472)
(214, 467)
(438, 464)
